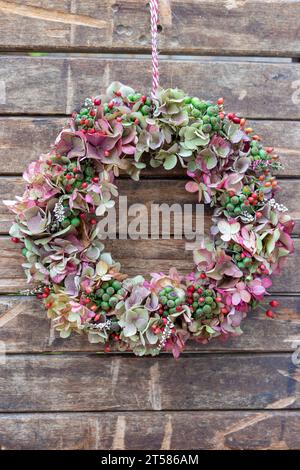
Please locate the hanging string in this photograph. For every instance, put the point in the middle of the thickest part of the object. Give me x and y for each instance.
(154, 41)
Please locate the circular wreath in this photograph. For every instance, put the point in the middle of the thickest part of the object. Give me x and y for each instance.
(70, 189)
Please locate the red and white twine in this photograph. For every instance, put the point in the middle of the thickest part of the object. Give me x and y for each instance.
(154, 40)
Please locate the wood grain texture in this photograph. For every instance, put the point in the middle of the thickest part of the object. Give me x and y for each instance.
(56, 85)
(80, 382)
(188, 27)
(24, 328)
(213, 430)
(23, 139)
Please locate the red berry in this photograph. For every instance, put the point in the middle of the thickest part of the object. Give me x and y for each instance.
(258, 215)
(222, 115)
(274, 303)
(92, 131)
(88, 290)
(106, 153)
(46, 289)
(48, 305)
(143, 98)
(199, 290)
(178, 308)
(110, 105)
(95, 179)
(250, 199)
(202, 276)
(254, 195)
(93, 221)
(136, 121)
(83, 131)
(106, 348)
(269, 149)
(87, 122)
(218, 299)
(39, 296)
(92, 112)
(165, 321)
(236, 120)
(69, 177)
(84, 185)
(75, 169)
(97, 317)
(270, 314)
(49, 162)
(231, 193)
(118, 93)
(119, 119)
(262, 267)
(97, 101)
(82, 121)
(220, 101)
(68, 188)
(230, 115)
(94, 308)
(246, 202)
(224, 310)
(15, 240)
(201, 299)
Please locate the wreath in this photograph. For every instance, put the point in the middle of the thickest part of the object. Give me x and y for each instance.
(70, 189)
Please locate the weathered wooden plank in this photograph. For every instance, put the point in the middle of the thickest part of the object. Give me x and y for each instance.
(210, 430)
(56, 85)
(77, 382)
(140, 257)
(24, 328)
(148, 192)
(23, 139)
(188, 27)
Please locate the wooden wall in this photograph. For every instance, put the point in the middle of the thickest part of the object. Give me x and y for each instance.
(60, 394)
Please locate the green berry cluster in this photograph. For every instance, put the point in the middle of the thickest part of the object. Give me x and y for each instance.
(241, 259)
(257, 152)
(170, 301)
(108, 295)
(203, 302)
(234, 205)
(206, 112)
(86, 117)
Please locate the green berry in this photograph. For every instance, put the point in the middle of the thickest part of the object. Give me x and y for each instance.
(237, 210)
(235, 200)
(172, 310)
(105, 297)
(170, 303)
(195, 305)
(163, 300)
(207, 128)
(209, 300)
(206, 309)
(187, 100)
(168, 289)
(195, 102)
(75, 221)
(110, 290)
(208, 292)
(212, 110)
(113, 301)
(105, 285)
(105, 306)
(196, 113)
(230, 207)
(84, 111)
(116, 285)
(99, 292)
(145, 110)
(24, 251)
(196, 295)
